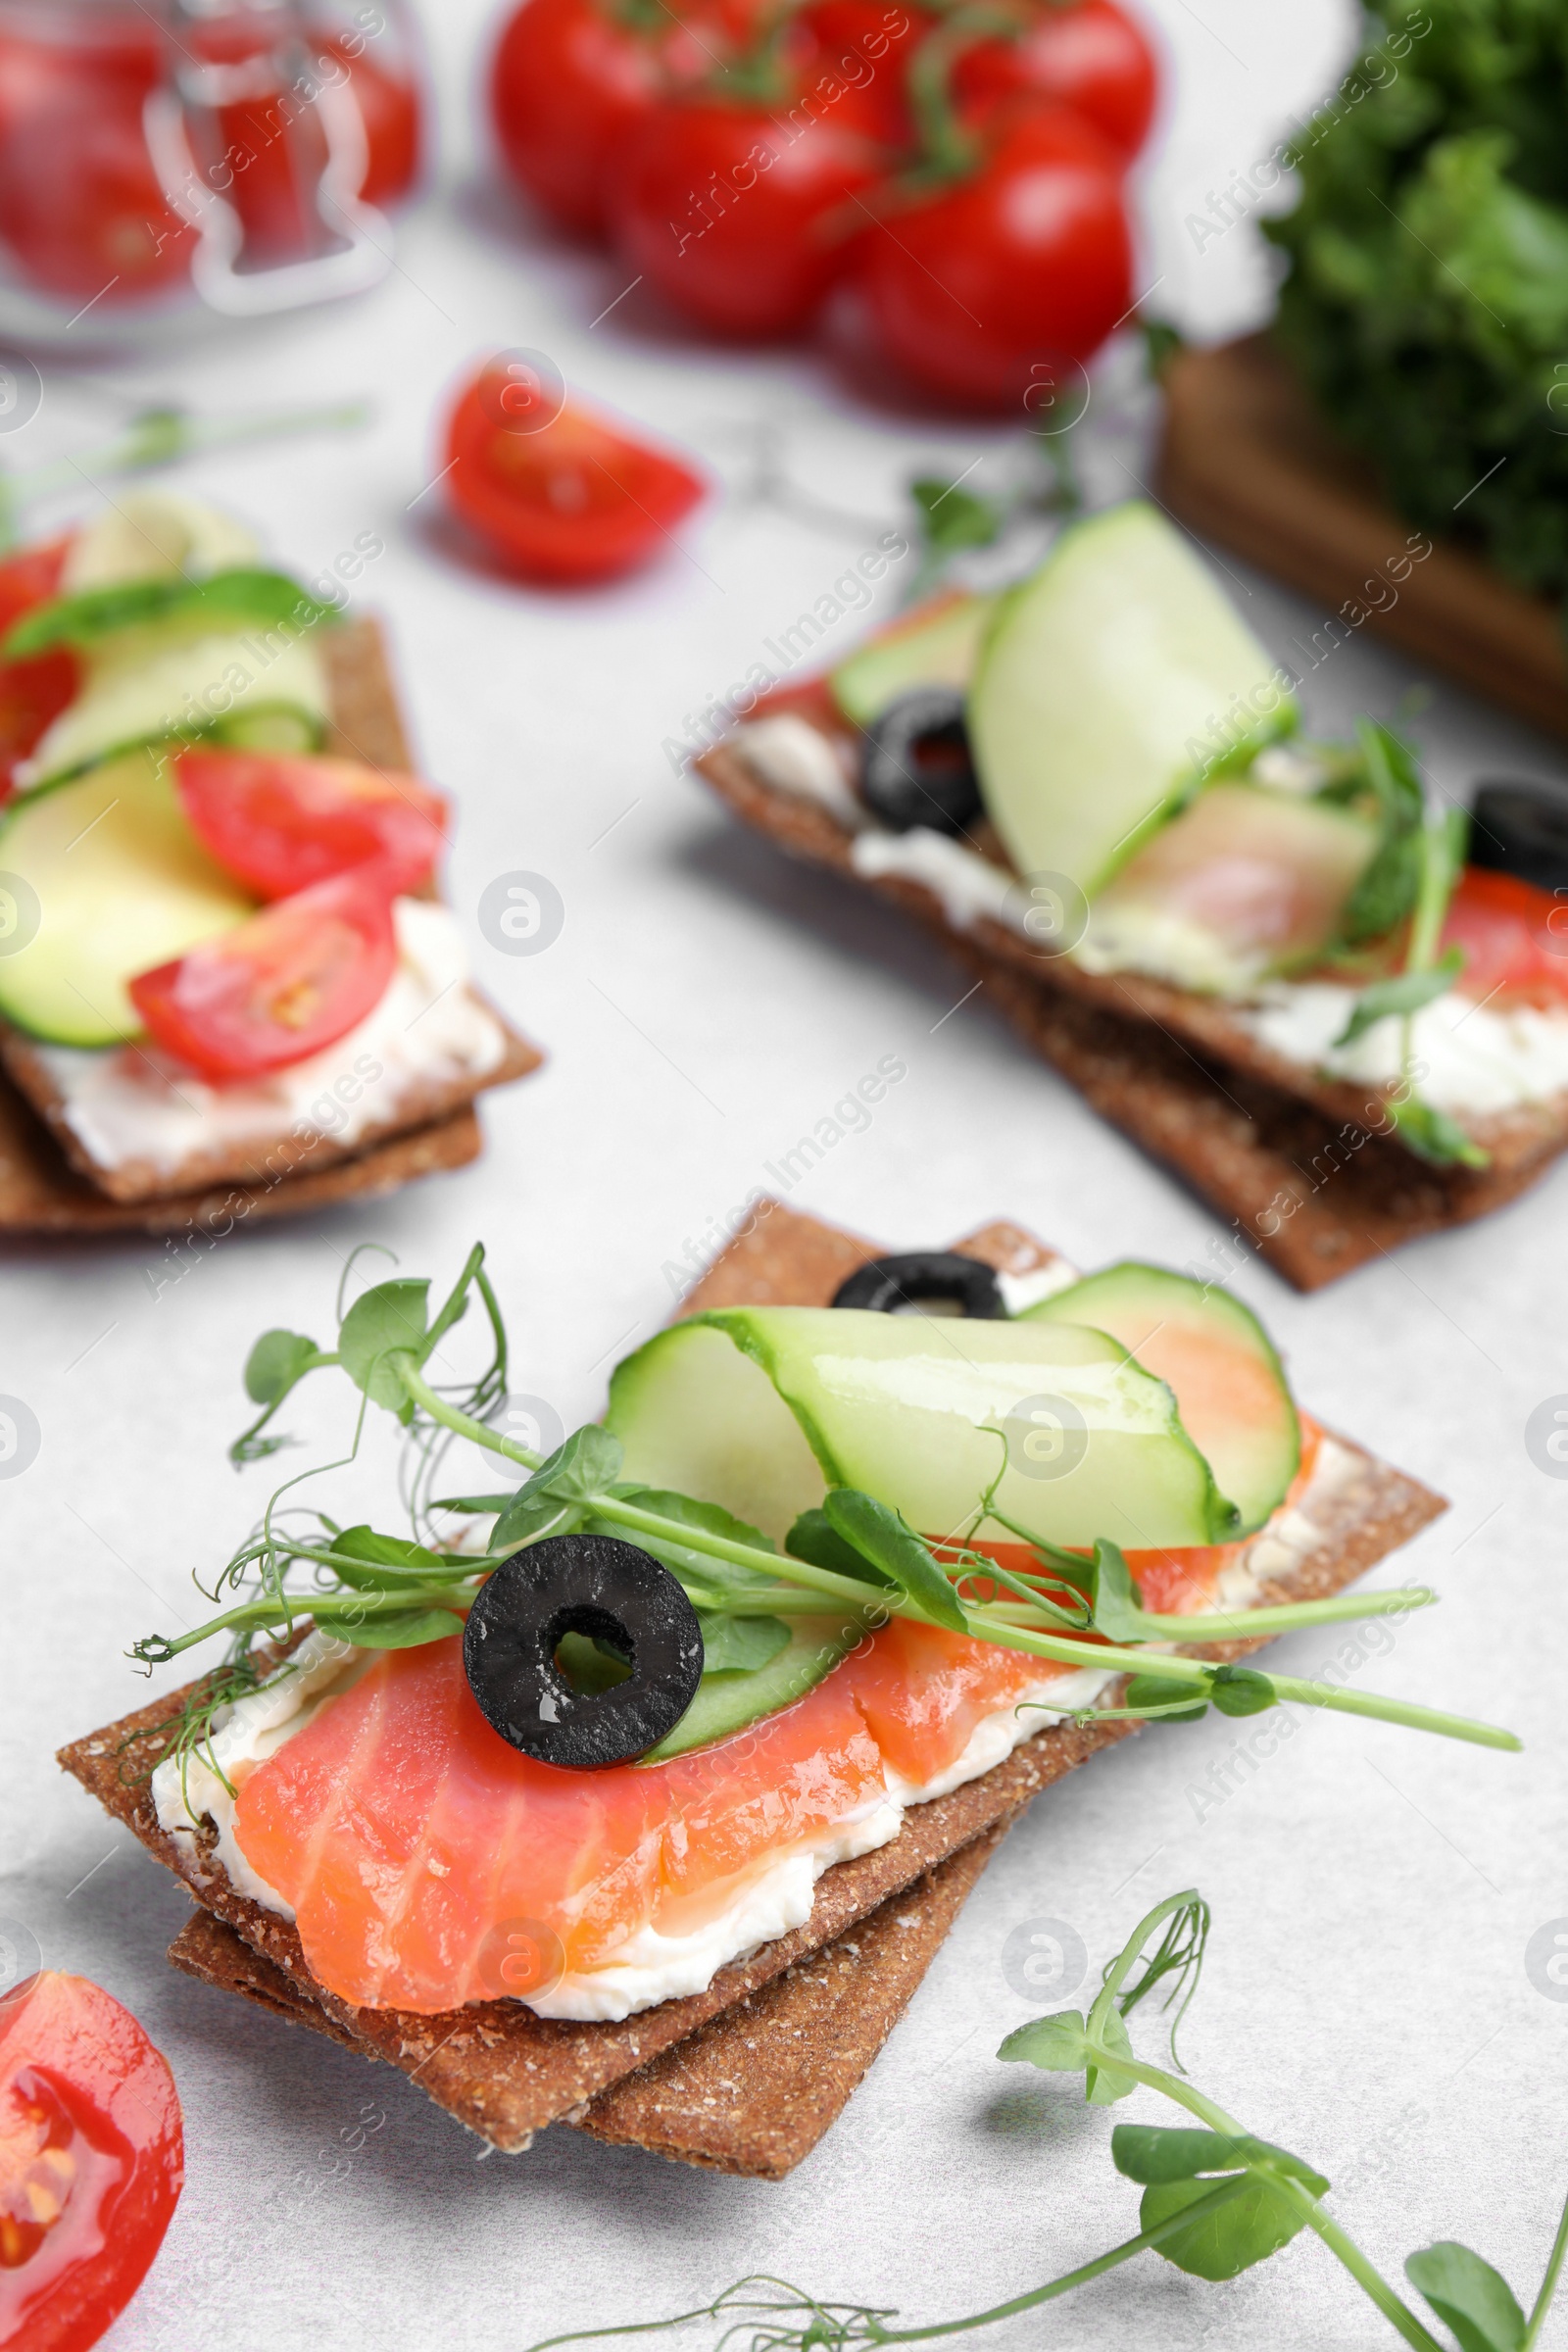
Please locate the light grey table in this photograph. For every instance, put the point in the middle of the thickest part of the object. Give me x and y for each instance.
(1367, 2000)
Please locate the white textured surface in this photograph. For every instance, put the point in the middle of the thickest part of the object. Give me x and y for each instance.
(706, 1005)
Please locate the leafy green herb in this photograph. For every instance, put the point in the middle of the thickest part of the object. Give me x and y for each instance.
(1432, 1134)
(887, 1539)
(241, 598)
(685, 1559)
(1426, 305)
(1406, 993)
(1469, 2296)
(382, 1590)
(815, 1538)
(404, 1628)
(740, 1644)
(1218, 2201)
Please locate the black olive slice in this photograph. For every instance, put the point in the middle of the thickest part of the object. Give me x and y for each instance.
(609, 1590)
(889, 1283)
(915, 763)
(1522, 829)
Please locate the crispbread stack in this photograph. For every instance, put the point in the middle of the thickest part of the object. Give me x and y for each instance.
(747, 2075)
(48, 1186)
(1302, 1165)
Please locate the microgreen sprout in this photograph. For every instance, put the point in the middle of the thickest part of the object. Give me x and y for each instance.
(379, 1591)
(1216, 2200)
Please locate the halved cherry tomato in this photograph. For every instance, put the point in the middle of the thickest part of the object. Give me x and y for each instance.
(1001, 276)
(1514, 937)
(92, 2162)
(571, 79)
(282, 822)
(278, 987)
(33, 693)
(573, 502)
(1086, 54)
(733, 210)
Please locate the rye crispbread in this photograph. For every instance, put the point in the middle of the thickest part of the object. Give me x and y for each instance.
(666, 2077)
(1302, 1165)
(49, 1183)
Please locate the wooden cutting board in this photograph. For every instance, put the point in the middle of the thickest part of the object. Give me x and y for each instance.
(1247, 462)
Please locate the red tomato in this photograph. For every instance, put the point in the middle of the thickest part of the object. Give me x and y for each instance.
(1086, 54)
(277, 989)
(82, 212)
(854, 59)
(727, 209)
(91, 2163)
(574, 502)
(994, 278)
(283, 823)
(1514, 937)
(571, 79)
(31, 693)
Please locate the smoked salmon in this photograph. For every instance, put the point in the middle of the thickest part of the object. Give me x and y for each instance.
(404, 1834)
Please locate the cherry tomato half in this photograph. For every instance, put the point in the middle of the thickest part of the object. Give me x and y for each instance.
(571, 79)
(33, 693)
(92, 2162)
(1024, 264)
(280, 987)
(1086, 54)
(1514, 937)
(282, 822)
(570, 502)
(728, 209)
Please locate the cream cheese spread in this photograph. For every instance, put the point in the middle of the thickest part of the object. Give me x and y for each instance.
(787, 752)
(682, 1948)
(1474, 1058)
(1477, 1058)
(131, 1104)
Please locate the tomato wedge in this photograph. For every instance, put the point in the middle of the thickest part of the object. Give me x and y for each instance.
(33, 693)
(572, 502)
(92, 2162)
(282, 822)
(278, 987)
(1514, 936)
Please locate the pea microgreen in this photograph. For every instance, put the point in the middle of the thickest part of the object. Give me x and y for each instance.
(854, 1556)
(1218, 2199)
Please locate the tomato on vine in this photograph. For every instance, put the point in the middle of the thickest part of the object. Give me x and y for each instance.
(1086, 54)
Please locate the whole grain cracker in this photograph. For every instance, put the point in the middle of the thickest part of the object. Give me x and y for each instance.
(507, 2073)
(1304, 1165)
(50, 1185)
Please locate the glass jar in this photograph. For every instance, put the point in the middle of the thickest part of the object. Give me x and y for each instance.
(156, 160)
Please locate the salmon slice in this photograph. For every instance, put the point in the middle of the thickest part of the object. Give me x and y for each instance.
(412, 1843)
(407, 1835)
(922, 1690)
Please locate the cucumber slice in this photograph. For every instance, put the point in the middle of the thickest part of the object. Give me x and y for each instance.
(1105, 683)
(936, 645)
(1213, 1353)
(145, 685)
(1245, 883)
(727, 1702)
(915, 1413)
(122, 885)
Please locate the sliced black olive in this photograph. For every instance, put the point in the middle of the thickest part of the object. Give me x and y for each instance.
(889, 1283)
(616, 1596)
(915, 763)
(1522, 829)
